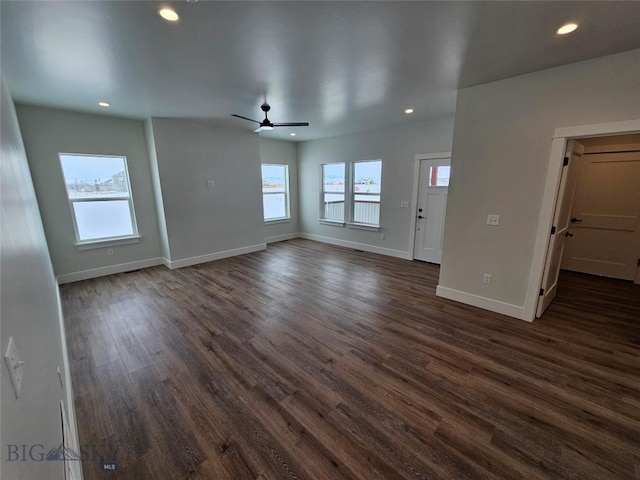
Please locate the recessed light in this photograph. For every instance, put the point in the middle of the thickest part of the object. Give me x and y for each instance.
(168, 14)
(103, 104)
(567, 28)
(408, 111)
(292, 134)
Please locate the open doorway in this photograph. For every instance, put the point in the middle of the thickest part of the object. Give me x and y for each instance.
(604, 229)
(595, 226)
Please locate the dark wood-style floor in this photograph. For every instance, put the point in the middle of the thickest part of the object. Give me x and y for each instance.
(313, 361)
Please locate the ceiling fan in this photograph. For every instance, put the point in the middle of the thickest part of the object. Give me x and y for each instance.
(266, 124)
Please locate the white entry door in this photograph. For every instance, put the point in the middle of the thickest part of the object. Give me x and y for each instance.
(561, 223)
(605, 218)
(431, 208)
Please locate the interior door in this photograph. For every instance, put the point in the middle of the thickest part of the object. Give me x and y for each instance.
(431, 209)
(561, 223)
(605, 228)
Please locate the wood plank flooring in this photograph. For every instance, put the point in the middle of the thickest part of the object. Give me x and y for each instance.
(308, 361)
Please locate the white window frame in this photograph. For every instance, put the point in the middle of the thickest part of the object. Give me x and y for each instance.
(102, 242)
(287, 205)
(322, 218)
(352, 198)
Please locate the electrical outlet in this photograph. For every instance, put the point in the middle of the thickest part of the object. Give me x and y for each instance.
(110, 252)
(210, 183)
(404, 204)
(382, 236)
(486, 278)
(493, 220)
(15, 366)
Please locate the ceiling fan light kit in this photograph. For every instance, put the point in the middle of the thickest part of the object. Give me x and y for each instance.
(266, 124)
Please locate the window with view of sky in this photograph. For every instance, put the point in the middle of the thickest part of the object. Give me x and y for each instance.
(99, 196)
(333, 190)
(367, 186)
(275, 191)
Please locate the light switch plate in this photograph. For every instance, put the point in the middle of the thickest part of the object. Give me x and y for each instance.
(210, 183)
(15, 366)
(493, 219)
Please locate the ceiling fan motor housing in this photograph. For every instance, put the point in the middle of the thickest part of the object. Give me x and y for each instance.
(265, 107)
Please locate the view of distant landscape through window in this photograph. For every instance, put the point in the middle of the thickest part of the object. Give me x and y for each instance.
(333, 183)
(275, 187)
(366, 189)
(367, 184)
(98, 191)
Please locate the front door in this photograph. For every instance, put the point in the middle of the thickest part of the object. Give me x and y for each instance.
(605, 218)
(431, 209)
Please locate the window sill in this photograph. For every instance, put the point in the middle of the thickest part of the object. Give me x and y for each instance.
(333, 223)
(364, 226)
(113, 242)
(277, 220)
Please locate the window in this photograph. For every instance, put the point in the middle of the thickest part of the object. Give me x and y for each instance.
(439, 176)
(275, 192)
(333, 183)
(367, 182)
(99, 196)
(359, 189)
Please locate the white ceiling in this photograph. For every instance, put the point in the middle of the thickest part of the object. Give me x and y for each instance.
(342, 66)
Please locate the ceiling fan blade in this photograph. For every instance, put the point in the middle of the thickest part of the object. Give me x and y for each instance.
(244, 118)
(294, 124)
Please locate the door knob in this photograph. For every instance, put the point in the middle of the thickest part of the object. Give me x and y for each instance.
(576, 220)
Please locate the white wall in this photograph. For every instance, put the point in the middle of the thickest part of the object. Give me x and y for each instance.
(30, 314)
(501, 151)
(284, 153)
(46, 133)
(204, 224)
(396, 147)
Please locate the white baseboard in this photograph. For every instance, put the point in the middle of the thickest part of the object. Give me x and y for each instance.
(282, 238)
(109, 270)
(358, 246)
(186, 262)
(485, 303)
